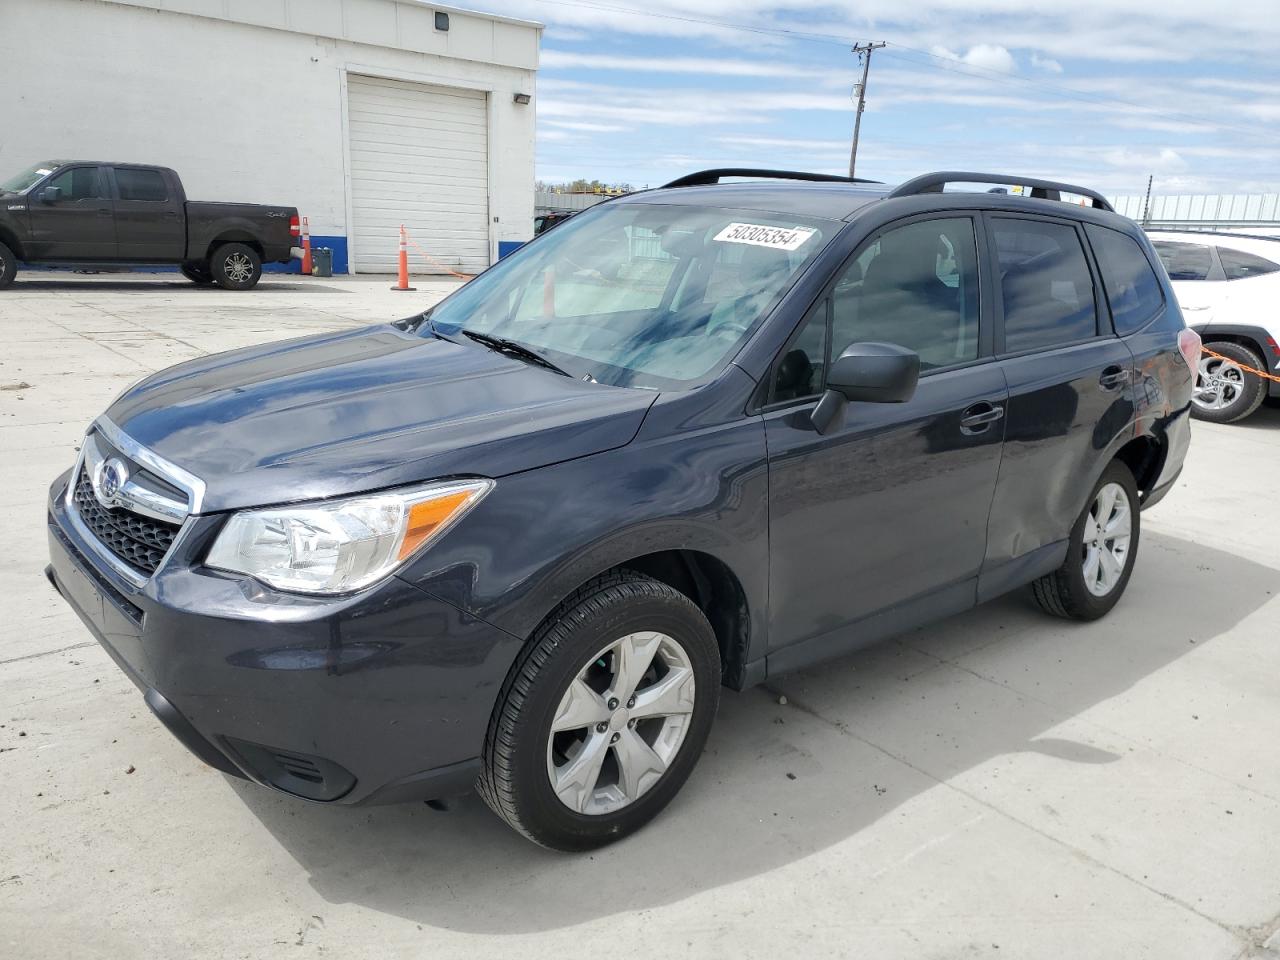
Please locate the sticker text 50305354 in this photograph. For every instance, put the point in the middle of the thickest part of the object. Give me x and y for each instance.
(761, 235)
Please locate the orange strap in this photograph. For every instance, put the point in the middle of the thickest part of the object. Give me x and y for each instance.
(460, 276)
(1257, 373)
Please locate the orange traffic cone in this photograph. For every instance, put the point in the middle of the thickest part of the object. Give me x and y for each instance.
(306, 247)
(403, 282)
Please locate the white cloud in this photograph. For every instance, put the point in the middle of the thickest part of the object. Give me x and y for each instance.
(564, 59)
(1047, 64)
(984, 56)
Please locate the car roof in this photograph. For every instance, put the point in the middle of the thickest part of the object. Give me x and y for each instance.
(840, 198)
(831, 201)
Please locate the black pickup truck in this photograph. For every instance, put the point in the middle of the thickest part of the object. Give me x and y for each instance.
(88, 214)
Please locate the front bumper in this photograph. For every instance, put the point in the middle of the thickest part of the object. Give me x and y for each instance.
(378, 697)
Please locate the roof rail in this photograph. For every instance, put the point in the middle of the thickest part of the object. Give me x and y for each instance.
(706, 177)
(1043, 189)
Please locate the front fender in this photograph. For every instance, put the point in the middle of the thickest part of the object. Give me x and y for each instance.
(542, 534)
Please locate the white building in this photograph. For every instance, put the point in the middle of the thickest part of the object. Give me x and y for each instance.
(364, 114)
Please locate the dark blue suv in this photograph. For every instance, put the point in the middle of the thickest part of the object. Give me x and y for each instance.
(693, 437)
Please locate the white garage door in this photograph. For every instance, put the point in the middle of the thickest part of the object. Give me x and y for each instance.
(419, 156)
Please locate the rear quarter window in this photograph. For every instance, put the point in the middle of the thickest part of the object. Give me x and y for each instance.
(1131, 285)
(1238, 265)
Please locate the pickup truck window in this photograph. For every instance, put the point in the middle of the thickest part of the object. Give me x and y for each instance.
(135, 184)
(79, 183)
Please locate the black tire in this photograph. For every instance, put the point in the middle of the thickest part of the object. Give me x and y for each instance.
(235, 266)
(1248, 395)
(8, 266)
(197, 273)
(1064, 592)
(516, 781)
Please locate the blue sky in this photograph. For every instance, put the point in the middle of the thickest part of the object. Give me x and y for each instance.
(1100, 92)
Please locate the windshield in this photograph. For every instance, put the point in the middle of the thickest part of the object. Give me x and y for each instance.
(27, 177)
(636, 294)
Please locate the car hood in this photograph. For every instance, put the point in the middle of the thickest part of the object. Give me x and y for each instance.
(355, 411)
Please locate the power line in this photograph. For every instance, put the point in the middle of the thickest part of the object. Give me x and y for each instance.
(935, 61)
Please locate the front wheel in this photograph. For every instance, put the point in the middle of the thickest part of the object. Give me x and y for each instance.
(1225, 392)
(604, 714)
(235, 266)
(1100, 553)
(8, 266)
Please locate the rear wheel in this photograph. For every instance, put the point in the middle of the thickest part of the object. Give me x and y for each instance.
(8, 266)
(235, 266)
(1224, 391)
(1100, 554)
(604, 715)
(197, 272)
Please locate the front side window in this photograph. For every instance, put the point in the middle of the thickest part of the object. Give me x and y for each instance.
(1132, 288)
(915, 286)
(637, 294)
(1184, 261)
(1238, 265)
(78, 183)
(1045, 284)
(801, 368)
(135, 184)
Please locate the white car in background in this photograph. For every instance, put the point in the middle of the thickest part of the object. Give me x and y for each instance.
(1228, 286)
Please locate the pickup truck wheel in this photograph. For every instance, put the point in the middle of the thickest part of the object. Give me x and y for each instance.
(1100, 552)
(235, 266)
(603, 715)
(8, 266)
(197, 273)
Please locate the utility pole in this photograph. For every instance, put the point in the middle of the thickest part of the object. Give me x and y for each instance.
(863, 50)
(1146, 204)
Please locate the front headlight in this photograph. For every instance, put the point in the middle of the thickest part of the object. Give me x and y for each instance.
(341, 545)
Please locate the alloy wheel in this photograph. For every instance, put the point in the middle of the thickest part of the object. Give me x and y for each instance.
(620, 723)
(1219, 383)
(238, 268)
(1107, 532)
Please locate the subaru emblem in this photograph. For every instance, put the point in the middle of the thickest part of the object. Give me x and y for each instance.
(114, 474)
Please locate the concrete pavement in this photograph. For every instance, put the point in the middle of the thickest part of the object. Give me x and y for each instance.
(998, 785)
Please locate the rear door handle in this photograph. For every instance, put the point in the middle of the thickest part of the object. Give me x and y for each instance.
(1113, 377)
(979, 417)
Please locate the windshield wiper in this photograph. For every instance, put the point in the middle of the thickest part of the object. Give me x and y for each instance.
(431, 328)
(515, 349)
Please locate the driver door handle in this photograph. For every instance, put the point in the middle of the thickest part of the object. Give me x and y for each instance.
(979, 417)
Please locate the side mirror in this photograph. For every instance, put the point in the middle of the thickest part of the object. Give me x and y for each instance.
(51, 195)
(869, 373)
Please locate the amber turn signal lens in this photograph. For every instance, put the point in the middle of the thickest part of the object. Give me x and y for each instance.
(425, 518)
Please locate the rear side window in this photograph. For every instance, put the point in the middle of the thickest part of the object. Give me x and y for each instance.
(137, 184)
(1184, 261)
(1045, 284)
(1238, 265)
(1132, 288)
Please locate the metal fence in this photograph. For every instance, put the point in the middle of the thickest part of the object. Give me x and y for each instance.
(1243, 212)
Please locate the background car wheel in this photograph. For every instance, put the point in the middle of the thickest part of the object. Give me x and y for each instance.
(197, 272)
(8, 266)
(1224, 393)
(1100, 554)
(604, 714)
(235, 266)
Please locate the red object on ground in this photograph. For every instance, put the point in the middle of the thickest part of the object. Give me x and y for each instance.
(306, 247)
(403, 282)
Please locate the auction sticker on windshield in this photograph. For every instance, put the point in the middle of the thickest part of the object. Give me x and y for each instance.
(760, 235)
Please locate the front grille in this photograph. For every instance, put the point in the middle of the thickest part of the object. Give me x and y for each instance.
(139, 541)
